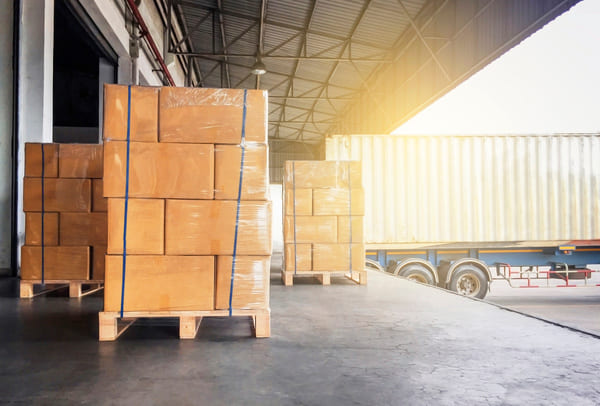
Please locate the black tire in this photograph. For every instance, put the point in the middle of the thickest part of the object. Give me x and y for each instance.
(418, 273)
(469, 280)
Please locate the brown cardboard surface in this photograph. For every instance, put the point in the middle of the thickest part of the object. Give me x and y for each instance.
(99, 202)
(323, 174)
(160, 283)
(183, 171)
(59, 194)
(310, 229)
(145, 226)
(211, 116)
(303, 202)
(336, 257)
(335, 202)
(255, 181)
(344, 229)
(33, 160)
(83, 229)
(98, 258)
(250, 282)
(207, 227)
(33, 229)
(303, 262)
(60, 263)
(144, 113)
(80, 161)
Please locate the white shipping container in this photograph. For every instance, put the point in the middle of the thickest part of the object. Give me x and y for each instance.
(432, 189)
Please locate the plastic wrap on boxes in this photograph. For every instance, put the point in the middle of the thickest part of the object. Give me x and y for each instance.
(98, 257)
(303, 202)
(145, 226)
(336, 257)
(310, 229)
(33, 229)
(60, 263)
(83, 229)
(250, 282)
(212, 116)
(80, 161)
(322, 174)
(59, 194)
(336, 202)
(160, 283)
(181, 171)
(344, 229)
(255, 184)
(144, 113)
(302, 261)
(33, 160)
(207, 227)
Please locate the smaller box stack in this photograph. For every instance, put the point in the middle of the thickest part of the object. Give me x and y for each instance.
(323, 212)
(65, 217)
(175, 197)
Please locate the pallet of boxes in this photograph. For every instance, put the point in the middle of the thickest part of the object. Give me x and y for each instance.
(189, 220)
(323, 212)
(65, 219)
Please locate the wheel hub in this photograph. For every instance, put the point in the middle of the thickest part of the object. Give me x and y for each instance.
(468, 285)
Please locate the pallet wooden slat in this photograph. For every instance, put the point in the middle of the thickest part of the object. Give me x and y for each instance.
(75, 287)
(189, 321)
(324, 277)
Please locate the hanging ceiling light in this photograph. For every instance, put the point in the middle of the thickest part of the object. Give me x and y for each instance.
(259, 67)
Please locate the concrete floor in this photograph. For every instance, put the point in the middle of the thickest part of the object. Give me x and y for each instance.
(392, 342)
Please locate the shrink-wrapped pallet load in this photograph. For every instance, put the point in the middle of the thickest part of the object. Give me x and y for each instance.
(65, 216)
(189, 216)
(323, 211)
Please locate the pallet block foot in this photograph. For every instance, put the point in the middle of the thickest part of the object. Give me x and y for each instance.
(75, 287)
(188, 326)
(262, 325)
(359, 277)
(324, 278)
(26, 290)
(287, 278)
(108, 326)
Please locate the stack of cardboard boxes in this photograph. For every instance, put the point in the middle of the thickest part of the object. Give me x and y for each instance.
(184, 213)
(63, 186)
(323, 218)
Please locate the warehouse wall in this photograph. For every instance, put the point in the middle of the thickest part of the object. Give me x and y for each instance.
(6, 112)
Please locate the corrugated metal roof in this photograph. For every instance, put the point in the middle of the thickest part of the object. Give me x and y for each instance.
(307, 90)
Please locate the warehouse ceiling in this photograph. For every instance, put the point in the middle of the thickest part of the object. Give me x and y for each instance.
(362, 66)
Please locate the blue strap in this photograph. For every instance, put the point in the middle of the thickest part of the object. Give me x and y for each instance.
(126, 198)
(294, 212)
(237, 214)
(350, 218)
(43, 174)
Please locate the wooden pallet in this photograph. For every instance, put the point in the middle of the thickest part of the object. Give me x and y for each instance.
(189, 321)
(360, 277)
(76, 288)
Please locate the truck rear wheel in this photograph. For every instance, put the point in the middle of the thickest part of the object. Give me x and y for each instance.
(469, 280)
(418, 273)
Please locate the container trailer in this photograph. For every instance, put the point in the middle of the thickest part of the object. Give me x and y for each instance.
(462, 211)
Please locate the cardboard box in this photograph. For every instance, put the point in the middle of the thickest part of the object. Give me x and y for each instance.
(255, 182)
(336, 257)
(98, 258)
(99, 202)
(211, 116)
(310, 229)
(323, 174)
(250, 283)
(160, 283)
(33, 229)
(33, 160)
(181, 171)
(145, 226)
(80, 161)
(144, 113)
(344, 229)
(207, 227)
(335, 202)
(60, 263)
(303, 262)
(83, 229)
(59, 195)
(303, 202)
